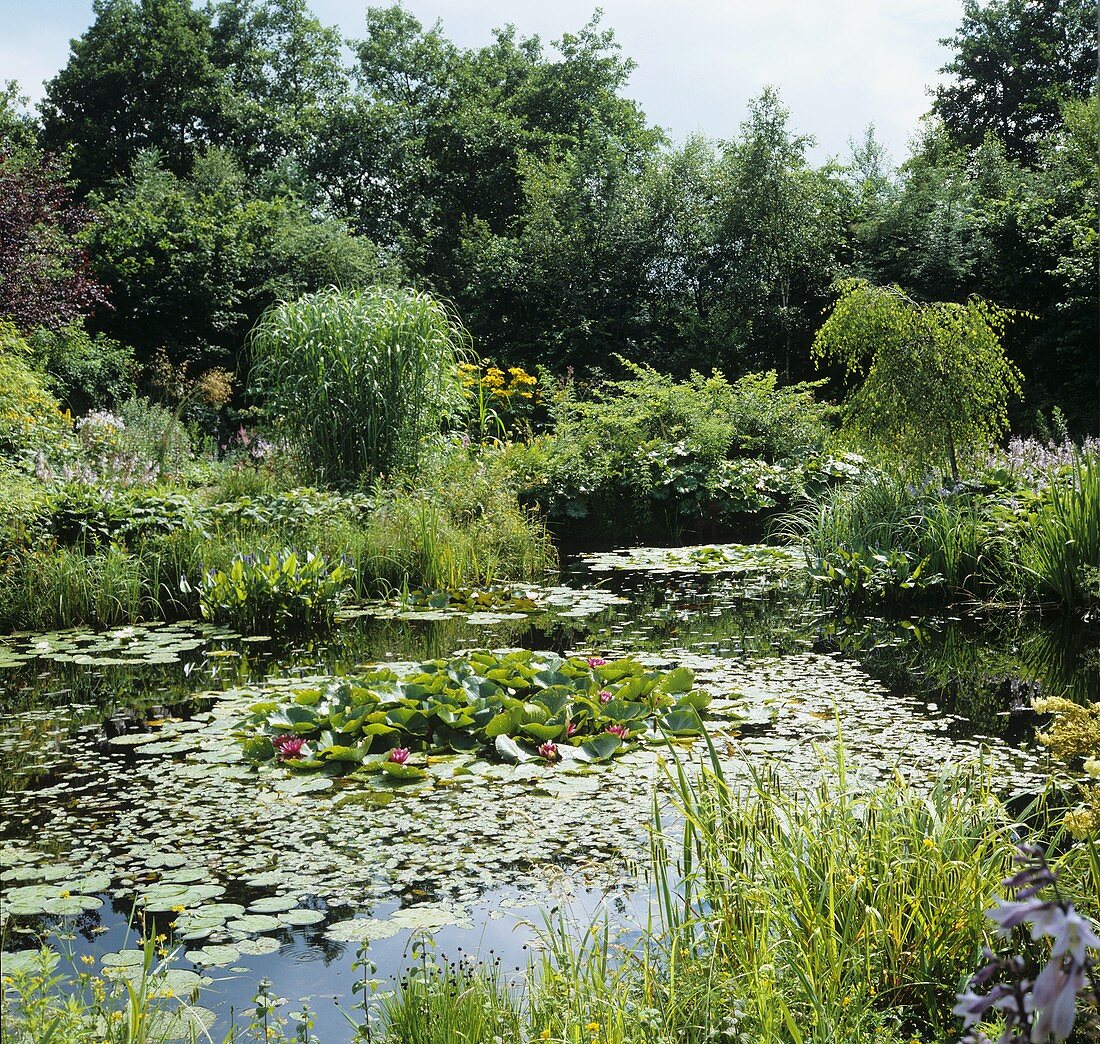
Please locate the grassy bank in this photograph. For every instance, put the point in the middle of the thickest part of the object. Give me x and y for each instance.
(1015, 532)
(74, 554)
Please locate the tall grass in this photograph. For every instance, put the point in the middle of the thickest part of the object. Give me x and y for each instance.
(358, 378)
(784, 915)
(1061, 548)
(838, 910)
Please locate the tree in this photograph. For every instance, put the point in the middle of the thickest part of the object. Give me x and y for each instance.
(282, 73)
(1015, 62)
(936, 380)
(44, 274)
(193, 262)
(141, 77)
(781, 234)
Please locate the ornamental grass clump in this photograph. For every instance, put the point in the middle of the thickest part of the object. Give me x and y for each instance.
(357, 380)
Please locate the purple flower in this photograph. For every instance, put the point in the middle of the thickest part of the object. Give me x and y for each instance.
(1054, 996)
(399, 755)
(604, 696)
(618, 730)
(596, 661)
(549, 751)
(289, 748)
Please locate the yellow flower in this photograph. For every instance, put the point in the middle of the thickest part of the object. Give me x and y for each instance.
(87, 958)
(929, 843)
(545, 1034)
(178, 909)
(592, 1027)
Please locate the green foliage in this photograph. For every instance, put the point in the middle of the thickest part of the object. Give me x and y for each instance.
(1060, 551)
(525, 706)
(283, 592)
(936, 380)
(650, 451)
(193, 262)
(86, 371)
(1013, 63)
(30, 417)
(865, 579)
(380, 366)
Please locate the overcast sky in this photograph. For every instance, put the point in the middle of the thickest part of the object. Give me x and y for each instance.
(839, 64)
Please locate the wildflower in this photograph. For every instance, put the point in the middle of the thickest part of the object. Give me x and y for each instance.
(289, 748)
(596, 661)
(178, 909)
(618, 730)
(549, 751)
(603, 696)
(929, 843)
(87, 958)
(592, 1027)
(545, 1034)
(399, 755)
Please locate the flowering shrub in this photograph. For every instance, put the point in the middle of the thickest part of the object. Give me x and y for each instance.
(524, 706)
(502, 402)
(30, 417)
(282, 592)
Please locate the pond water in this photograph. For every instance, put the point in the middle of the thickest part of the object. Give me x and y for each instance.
(123, 783)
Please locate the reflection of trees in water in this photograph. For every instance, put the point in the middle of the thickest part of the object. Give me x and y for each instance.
(983, 670)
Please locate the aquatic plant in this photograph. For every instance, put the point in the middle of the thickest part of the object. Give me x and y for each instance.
(522, 706)
(282, 592)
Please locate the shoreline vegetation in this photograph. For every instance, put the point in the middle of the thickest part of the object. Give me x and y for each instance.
(292, 325)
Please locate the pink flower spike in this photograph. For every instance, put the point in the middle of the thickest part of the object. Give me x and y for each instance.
(604, 696)
(399, 755)
(288, 747)
(618, 730)
(550, 752)
(596, 661)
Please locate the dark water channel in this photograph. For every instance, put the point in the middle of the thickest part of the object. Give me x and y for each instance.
(121, 779)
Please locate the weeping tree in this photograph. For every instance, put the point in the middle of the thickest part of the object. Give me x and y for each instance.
(357, 380)
(936, 380)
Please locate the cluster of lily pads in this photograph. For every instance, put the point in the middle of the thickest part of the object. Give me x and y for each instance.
(524, 706)
(703, 558)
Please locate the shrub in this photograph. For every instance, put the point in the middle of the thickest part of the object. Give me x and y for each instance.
(87, 372)
(357, 380)
(652, 453)
(30, 418)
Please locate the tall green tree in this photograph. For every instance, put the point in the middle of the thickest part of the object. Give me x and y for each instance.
(283, 72)
(782, 235)
(141, 77)
(1015, 62)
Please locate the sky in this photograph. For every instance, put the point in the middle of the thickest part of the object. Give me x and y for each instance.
(838, 64)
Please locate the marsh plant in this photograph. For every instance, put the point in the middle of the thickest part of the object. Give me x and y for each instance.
(282, 591)
(357, 380)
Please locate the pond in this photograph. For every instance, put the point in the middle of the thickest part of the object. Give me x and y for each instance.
(124, 783)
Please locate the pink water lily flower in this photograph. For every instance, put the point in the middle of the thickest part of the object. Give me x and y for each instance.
(570, 728)
(618, 730)
(399, 755)
(604, 696)
(288, 747)
(550, 752)
(596, 661)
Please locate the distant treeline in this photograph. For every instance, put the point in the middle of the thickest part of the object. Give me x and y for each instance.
(188, 167)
